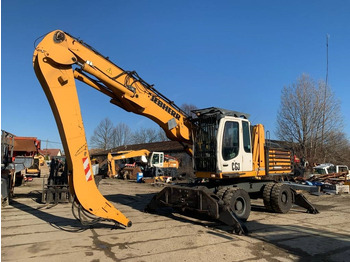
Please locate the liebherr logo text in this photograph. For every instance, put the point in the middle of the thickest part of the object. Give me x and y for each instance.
(165, 107)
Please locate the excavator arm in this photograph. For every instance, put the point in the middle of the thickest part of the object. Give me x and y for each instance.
(58, 60)
(125, 88)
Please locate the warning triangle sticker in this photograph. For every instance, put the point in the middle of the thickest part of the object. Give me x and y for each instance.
(109, 71)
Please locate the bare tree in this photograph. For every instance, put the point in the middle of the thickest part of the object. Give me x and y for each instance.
(145, 135)
(103, 133)
(122, 135)
(308, 119)
(106, 136)
(187, 108)
(148, 135)
(337, 148)
(162, 136)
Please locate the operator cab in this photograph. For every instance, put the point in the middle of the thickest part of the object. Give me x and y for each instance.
(157, 159)
(222, 143)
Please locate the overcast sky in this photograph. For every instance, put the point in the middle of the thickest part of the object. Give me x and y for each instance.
(236, 55)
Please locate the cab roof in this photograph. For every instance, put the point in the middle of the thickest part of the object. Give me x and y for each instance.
(219, 111)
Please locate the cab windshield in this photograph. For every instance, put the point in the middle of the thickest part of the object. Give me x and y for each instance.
(320, 171)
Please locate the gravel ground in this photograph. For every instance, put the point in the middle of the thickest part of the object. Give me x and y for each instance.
(32, 231)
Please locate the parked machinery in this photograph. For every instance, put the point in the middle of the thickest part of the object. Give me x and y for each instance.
(227, 150)
(12, 167)
(35, 168)
(126, 164)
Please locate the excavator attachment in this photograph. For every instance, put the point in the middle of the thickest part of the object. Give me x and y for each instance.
(53, 66)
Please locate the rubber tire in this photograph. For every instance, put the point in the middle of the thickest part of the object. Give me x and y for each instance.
(267, 196)
(281, 198)
(239, 201)
(221, 192)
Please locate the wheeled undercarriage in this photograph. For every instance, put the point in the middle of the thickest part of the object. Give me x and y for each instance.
(230, 202)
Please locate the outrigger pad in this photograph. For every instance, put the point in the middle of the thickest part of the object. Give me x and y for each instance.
(300, 200)
(228, 217)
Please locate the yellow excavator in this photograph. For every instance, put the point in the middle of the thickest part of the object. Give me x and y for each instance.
(151, 164)
(228, 153)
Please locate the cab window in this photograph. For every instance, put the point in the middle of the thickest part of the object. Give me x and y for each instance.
(230, 141)
(155, 159)
(331, 170)
(246, 137)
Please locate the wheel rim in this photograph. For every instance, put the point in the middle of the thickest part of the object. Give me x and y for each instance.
(284, 198)
(240, 206)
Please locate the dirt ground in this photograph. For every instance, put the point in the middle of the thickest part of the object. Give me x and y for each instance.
(31, 231)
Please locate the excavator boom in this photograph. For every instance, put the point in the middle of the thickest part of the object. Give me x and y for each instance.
(125, 88)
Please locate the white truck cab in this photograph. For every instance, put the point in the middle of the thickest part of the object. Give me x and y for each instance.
(328, 168)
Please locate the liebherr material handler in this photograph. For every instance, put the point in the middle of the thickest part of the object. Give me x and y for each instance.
(226, 150)
(150, 163)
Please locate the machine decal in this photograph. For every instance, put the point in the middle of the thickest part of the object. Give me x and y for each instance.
(87, 169)
(165, 107)
(236, 166)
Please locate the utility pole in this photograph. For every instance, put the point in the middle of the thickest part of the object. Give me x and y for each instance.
(324, 102)
(327, 38)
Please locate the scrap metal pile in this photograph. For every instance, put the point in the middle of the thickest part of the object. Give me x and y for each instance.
(330, 183)
(333, 178)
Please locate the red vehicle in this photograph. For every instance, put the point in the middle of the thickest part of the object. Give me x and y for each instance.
(17, 154)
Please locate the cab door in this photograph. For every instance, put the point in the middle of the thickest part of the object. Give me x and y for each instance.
(246, 146)
(234, 150)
